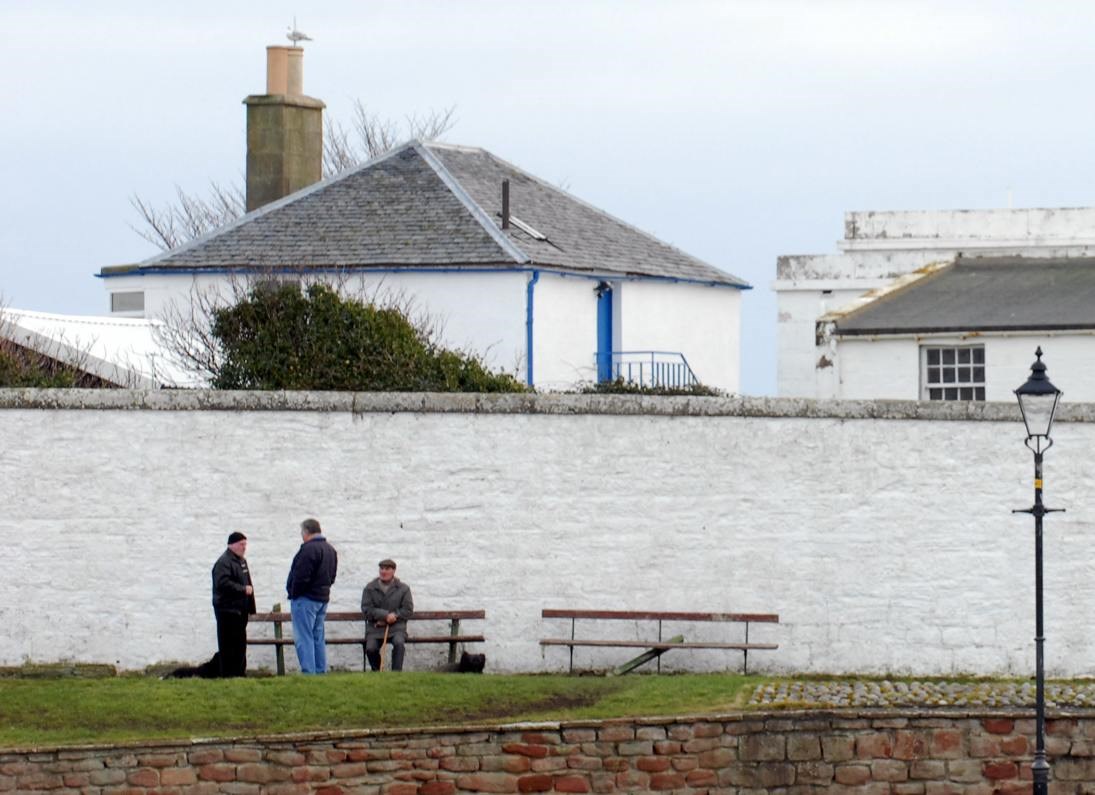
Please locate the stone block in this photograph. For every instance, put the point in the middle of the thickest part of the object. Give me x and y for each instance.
(437, 788)
(814, 772)
(579, 735)
(666, 781)
(652, 764)
(928, 769)
(548, 765)
(911, 744)
(458, 764)
(716, 758)
(636, 748)
(802, 747)
(539, 738)
(1020, 746)
(667, 747)
(508, 764)
(702, 744)
(706, 729)
(571, 784)
(852, 775)
(632, 780)
(243, 755)
(1000, 770)
(876, 745)
(217, 771)
(652, 733)
(178, 777)
(762, 748)
(889, 770)
(537, 782)
(584, 762)
(143, 777)
(616, 734)
(946, 744)
(536, 751)
(487, 782)
(998, 725)
(701, 778)
(775, 774)
(837, 748)
(965, 771)
(356, 769)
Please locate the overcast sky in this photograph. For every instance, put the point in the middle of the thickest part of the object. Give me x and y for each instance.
(737, 131)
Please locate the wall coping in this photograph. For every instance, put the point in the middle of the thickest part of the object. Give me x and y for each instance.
(480, 403)
(848, 714)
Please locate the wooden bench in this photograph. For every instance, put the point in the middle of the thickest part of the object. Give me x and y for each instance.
(655, 648)
(282, 620)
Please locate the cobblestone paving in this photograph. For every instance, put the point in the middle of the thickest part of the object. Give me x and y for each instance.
(916, 694)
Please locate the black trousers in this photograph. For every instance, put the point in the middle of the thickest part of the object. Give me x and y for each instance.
(232, 642)
(395, 641)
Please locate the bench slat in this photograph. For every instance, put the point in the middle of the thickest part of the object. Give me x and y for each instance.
(647, 615)
(360, 641)
(424, 615)
(655, 644)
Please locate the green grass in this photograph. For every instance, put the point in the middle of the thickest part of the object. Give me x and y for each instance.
(80, 710)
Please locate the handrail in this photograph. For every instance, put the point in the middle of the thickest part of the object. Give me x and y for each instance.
(645, 368)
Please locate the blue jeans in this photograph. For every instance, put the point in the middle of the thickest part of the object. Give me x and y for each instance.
(308, 637)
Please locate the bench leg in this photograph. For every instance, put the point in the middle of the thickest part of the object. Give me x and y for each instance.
(279, 650)
(454, 630)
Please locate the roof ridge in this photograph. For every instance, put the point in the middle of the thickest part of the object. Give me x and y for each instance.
(608, 215)
(478, 213)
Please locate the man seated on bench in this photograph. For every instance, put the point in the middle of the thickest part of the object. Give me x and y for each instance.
(386, 604)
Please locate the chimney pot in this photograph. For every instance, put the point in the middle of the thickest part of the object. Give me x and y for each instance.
(277, 70)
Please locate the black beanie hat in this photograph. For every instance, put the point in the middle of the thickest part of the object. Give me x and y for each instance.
(236, 536)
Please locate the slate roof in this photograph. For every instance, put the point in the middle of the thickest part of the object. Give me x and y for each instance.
(433, 205)
(985, 294)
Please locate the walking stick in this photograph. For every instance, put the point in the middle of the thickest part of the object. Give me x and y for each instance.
(383, 643)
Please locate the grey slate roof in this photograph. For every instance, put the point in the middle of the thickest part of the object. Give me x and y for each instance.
(985, 294)
(434, 205)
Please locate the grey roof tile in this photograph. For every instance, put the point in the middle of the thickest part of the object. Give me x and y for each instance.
(434, 205)
(986, 294)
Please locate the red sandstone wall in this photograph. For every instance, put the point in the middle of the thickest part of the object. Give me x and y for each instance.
(903, 753)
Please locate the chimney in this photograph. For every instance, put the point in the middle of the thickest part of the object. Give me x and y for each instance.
(284, 131)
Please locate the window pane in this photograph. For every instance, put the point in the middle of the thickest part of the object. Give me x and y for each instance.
(948, 356)
(963, 355)
(948, 376)
(935, 394)
(951, 393)
(933, 375)
(978, 355)
(979, 393)
(963, 375)
(966, 393)
(933, 356)
(979, 374)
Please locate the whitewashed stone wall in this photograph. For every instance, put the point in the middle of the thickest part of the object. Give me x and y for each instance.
(881, 533)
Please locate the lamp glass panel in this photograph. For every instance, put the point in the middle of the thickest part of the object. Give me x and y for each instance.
(1038, 412)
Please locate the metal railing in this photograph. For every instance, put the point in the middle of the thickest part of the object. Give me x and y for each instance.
(646, 368)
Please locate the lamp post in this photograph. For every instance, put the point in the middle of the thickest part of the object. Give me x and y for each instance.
(1038, 400)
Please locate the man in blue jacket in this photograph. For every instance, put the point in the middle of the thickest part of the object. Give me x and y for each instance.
(309, 587)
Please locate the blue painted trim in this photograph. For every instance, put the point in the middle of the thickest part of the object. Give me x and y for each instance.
(599, 277)
(529, 291)
(604, 335)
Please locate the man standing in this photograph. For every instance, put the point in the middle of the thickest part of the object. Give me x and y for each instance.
(387, 604)
(309, 586)
(233, 602)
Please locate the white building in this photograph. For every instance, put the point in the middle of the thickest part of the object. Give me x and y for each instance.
(102, 351)
(538, 282)
(916, 299)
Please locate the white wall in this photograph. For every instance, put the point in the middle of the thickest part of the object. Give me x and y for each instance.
(886, 544)
(889, 368)
(496, 329)
(486, 313)
(565, 331)
(703, 323)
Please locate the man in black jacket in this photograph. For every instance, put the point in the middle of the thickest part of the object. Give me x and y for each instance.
(309, 587)
(233, 602)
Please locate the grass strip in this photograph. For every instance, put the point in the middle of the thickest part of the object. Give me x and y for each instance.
(75, 710)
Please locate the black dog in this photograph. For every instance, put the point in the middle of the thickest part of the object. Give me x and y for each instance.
(471, 663)
(207, 670)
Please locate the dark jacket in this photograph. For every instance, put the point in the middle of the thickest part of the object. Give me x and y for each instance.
(375, 604)
(313, 571)
(230, 580)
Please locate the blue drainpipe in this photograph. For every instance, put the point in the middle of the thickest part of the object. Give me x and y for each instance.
(528, 323)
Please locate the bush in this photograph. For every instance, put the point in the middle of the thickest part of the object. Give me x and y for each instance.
(282, 338)
(622, 387)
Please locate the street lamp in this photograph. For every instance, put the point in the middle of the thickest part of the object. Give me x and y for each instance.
(1038, 399)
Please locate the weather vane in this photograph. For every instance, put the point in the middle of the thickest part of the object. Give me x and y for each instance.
(295, 35)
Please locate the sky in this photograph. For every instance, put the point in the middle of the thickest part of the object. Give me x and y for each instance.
(737, 131)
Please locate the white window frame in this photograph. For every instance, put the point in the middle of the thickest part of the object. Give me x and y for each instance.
(958, 372)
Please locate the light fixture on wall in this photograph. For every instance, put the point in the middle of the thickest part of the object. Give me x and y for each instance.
(1038, 399)
(602, 288)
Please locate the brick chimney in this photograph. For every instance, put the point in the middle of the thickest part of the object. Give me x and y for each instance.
(284, 131)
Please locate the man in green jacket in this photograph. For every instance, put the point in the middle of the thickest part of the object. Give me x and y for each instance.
(386, 604)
